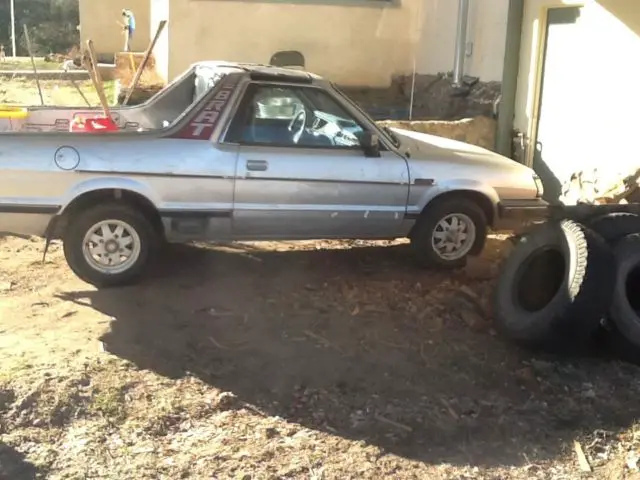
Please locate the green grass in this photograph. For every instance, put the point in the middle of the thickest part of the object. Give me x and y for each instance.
(109, 402)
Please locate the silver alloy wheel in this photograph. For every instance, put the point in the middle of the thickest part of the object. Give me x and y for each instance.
(111, 246)
(453, 236)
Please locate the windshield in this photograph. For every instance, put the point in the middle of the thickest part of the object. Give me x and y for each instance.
(386, 132)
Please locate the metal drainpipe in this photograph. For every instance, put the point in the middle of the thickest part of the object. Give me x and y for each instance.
(461, 42)
(507, 107)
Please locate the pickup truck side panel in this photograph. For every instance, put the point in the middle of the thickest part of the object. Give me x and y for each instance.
(312, 193)
(192, 188)
(438, 166)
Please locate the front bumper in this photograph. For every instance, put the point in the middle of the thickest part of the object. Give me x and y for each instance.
(513, 214)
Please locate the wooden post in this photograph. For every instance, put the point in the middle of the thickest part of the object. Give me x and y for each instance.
(96, 78)
(13, 28)
(125, 32)
(33, 62)
(147, 55)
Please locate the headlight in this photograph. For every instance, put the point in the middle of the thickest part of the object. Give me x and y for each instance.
(539, 186)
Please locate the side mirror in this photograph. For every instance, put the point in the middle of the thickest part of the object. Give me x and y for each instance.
(370, 144)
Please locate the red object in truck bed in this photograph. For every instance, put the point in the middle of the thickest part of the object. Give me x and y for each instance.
(94, 125)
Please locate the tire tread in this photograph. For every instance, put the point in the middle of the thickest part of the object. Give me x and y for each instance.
(572, 322)
(625, 250)
(612, 227)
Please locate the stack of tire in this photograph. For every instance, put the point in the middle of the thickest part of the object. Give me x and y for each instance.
(567, 284)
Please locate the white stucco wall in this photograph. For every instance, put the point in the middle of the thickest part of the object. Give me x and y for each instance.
(159, 12)
(487, 27)
(357, 42)
(354, 42)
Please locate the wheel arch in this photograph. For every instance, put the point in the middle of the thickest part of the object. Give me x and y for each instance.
(98, 191)
(487, 201)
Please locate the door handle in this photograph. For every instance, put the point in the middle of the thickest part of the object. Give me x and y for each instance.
(257, 165)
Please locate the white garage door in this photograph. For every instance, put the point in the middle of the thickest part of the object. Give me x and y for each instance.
(589, 105)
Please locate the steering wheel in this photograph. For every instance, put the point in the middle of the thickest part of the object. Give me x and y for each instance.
(301, 117)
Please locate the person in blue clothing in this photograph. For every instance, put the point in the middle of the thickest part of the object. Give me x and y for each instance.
(129, 27)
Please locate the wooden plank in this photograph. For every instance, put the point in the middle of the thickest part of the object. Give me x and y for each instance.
(92, 68)
(33, 62)
(147, 55)
(583, 463)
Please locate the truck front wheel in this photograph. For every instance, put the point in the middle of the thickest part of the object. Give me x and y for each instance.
(109, 245)
(447, 232)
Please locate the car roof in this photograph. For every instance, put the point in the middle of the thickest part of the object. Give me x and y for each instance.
(259, 71)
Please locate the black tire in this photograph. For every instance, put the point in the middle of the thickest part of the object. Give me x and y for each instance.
(616, 346)
(614, 226)
(555, 288)
(422, 233)
(625, 305)
(82, 222)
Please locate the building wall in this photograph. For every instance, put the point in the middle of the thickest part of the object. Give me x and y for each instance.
(607, 114)
(159, 12)
(99, 18)
(355, 43)
(486, 31)
(359, 42)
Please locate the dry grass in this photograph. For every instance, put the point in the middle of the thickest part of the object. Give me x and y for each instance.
(22, 63)
(126, 66)
(21, 91)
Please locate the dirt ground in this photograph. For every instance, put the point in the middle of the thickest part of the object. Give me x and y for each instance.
(314, 360)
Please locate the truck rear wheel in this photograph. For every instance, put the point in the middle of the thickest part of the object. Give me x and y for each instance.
(109, 245)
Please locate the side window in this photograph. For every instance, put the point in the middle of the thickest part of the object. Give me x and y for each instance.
(286, 116)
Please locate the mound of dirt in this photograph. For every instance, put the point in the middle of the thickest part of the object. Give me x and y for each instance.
(128, 63)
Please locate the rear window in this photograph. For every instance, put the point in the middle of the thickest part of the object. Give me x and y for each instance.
(206, 79)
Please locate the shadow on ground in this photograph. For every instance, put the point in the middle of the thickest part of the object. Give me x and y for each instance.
(364, 345)
(14, 466)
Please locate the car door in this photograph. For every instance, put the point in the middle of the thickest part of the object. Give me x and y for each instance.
(302, 174)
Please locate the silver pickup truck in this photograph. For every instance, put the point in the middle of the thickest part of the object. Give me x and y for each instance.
(243, 152)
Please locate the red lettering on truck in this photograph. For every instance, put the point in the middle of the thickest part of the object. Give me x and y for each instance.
(202, 124)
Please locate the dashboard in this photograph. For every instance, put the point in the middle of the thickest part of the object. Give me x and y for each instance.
(338, 130)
